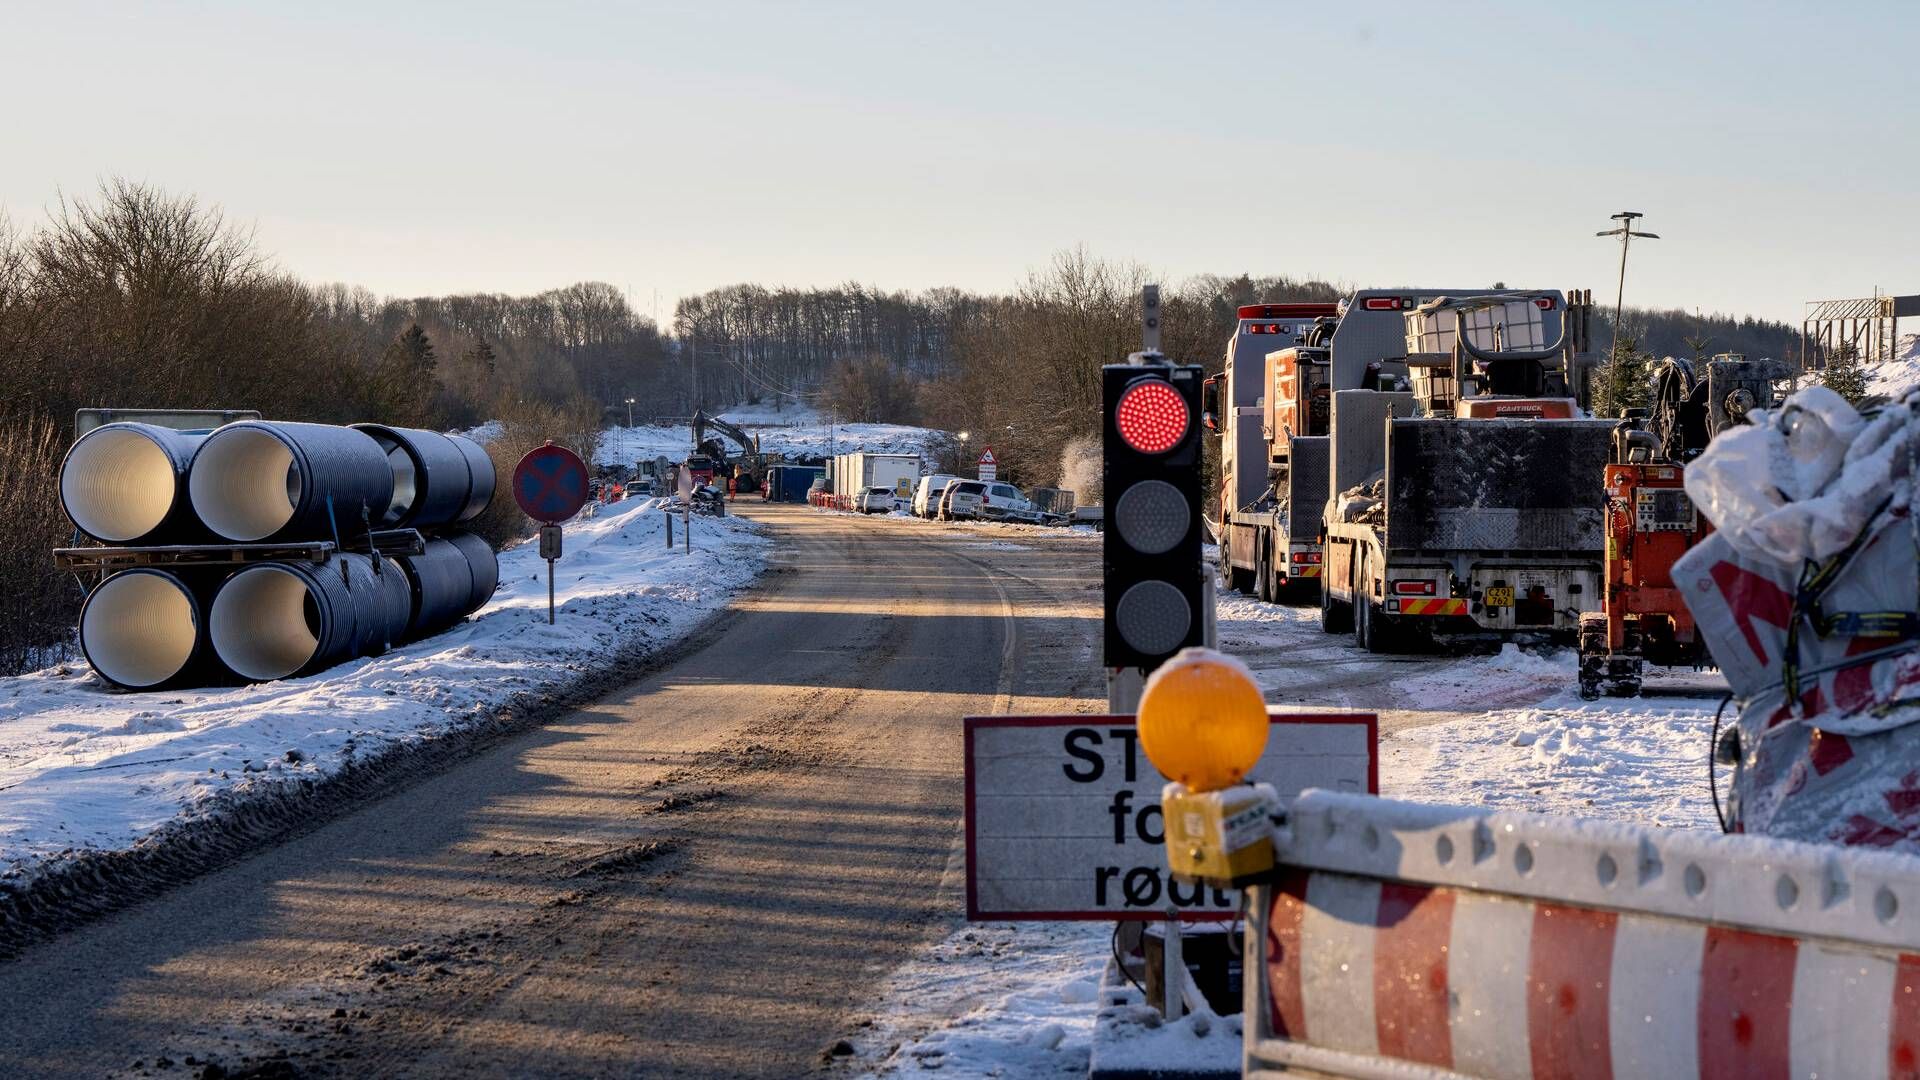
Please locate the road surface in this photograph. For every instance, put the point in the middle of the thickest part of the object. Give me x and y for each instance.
(706, 874)
(703, 875)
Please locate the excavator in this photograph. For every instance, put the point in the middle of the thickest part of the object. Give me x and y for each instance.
(747, 469)
(1650, 522)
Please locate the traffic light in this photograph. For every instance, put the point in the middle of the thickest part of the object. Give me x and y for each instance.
(1151, 488)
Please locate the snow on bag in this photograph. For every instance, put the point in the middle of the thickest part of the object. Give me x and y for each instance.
(1807, 596)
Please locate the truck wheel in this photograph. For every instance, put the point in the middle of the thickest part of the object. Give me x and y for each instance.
(1335, 617)
(1375, 633)
(1241, 581)
(1262, 579)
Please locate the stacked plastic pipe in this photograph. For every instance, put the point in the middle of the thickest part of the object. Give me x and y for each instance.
(266, 482)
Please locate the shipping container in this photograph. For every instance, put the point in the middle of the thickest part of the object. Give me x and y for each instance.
(789, 483)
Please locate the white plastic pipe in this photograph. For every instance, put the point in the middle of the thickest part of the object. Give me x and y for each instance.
(140, 628)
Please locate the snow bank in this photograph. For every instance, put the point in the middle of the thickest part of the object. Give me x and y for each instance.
(1017, 999)
(86, 768)
(1642, 761)
(483, 433)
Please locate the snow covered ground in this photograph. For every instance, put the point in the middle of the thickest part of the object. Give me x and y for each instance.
(796, 431)
(1017, 1000)
(83, 767)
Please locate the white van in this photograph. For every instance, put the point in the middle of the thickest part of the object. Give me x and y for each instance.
(926, 496)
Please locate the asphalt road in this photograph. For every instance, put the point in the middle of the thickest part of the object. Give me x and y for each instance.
(705, 874)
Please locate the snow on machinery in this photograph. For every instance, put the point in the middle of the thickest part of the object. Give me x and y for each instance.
(1651, 522)
(1467, 506)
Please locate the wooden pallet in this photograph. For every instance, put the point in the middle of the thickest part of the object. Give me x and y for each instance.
(108, 559)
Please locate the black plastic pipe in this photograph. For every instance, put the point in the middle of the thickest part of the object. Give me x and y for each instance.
(437, 479)
(274, 620)
(449, 581)
(127, 484)
(269, 481)
(146, 629)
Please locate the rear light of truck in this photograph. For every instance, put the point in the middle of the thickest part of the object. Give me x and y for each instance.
(1544, 303)
(1306, 556)
(1413, 588)
(1387, 303)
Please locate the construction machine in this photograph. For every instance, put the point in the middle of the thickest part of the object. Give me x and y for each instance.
(1651, 523)
(747, 469)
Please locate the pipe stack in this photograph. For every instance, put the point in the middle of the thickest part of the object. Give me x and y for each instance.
(259, 482)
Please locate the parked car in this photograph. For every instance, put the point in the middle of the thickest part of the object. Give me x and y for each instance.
(961, 500)
(874, 500)
(926, 495)
(1003, 502)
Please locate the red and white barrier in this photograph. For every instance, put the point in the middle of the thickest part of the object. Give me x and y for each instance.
(1415, 941)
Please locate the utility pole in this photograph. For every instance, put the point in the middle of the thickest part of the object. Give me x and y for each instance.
(1626, 233)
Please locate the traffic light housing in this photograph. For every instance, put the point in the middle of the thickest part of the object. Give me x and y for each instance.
(1151, 488)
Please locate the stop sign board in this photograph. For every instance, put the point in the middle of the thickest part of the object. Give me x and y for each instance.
(550, 484)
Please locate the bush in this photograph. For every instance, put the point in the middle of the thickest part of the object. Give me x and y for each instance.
(525, 426)
(36, 623)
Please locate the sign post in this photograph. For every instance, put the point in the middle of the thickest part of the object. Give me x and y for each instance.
(550, 484)
(989, 466)
(686, 493)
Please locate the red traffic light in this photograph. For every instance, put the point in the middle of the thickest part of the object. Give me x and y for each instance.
(1151, 416)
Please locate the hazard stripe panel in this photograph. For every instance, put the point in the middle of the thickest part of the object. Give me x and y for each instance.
(1306, 572)
(1485, 985)
(1438, 606)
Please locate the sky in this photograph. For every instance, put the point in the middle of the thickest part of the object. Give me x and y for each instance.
(423, 148)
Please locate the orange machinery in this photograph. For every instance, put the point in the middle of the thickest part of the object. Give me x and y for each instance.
(1651, 522)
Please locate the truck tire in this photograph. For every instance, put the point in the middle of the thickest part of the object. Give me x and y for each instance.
(1262, 575)
(1335, 617)
(1373, 631)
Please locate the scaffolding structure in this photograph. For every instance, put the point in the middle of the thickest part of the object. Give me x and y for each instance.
(1867, 327)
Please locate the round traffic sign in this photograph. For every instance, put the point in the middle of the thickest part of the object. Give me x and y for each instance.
(550, 484)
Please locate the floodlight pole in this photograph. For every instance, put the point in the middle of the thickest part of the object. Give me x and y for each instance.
(1626, 233)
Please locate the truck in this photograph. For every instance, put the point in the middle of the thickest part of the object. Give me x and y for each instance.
(1272, 475)
(1651, 522)
(854, 473)
(1467, 505)
(1271, 405)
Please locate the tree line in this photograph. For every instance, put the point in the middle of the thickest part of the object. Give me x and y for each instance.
(134, 297)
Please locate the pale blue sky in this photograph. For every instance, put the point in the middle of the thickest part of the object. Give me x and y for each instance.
(433, 147)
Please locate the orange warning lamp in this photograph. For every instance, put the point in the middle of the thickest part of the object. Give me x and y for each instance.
(1202, 720)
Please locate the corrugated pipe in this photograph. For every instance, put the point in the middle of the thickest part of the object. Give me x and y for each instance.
(449, 581)
(273, 620)
(144, 629)
(127, 484)
(259, 480)
(437, 479)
